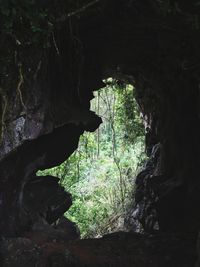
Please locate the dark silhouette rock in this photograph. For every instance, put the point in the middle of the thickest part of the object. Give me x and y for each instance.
(44, 197)
(68, 228)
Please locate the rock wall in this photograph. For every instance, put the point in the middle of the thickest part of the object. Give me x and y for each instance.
(42, 126)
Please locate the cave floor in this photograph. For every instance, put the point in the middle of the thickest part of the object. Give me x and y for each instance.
(113, 250)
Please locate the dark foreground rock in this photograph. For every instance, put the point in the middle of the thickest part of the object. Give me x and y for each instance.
(114, 250)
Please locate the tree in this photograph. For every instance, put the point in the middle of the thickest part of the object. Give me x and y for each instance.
(100, 174)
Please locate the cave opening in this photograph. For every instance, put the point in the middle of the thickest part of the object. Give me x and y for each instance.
(53, 57)
(101, 173)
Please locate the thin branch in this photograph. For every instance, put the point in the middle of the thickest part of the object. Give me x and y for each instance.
(78, 11)
(55, 44)
(21, 81)
(98, 130)
(3, 114)
(37, 70)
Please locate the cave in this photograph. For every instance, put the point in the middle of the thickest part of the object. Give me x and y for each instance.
(50, 65)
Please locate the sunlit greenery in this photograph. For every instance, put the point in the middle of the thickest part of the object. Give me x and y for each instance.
(100, 174)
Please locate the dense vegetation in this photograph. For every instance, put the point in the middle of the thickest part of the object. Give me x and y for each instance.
(100, 173)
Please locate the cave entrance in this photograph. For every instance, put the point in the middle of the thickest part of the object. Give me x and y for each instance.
(100, 173)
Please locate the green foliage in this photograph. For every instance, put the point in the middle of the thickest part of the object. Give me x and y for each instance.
(128, 114)
(100, 174)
